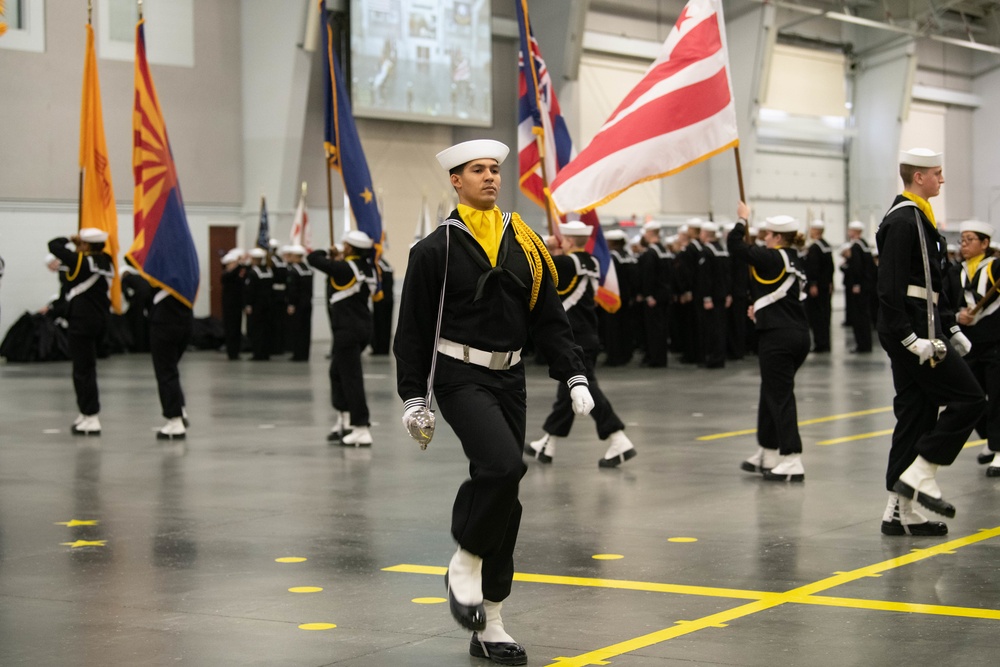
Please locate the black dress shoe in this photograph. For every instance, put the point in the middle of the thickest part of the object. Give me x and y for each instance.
(472, 617)
(982, 458)
(925, 529)
(993, 471)
(337, 436)
(939, 505)
(618, 460)
(502, 653)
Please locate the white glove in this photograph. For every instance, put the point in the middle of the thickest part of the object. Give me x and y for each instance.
(961, 343)
(583, 402)
(408, 416)
(923, 348)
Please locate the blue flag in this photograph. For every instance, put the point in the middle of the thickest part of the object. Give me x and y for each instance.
(263, 230)
(343, 145)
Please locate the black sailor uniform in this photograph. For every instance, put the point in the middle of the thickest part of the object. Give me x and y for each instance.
(713, 285)
(578, 279)
(819, 271)
(257, 296)
(88, 282)
(617, 329)
(300, 294)
(655, 267)
(487, 308)
(984, 334)
(920, 389)
(170, 323)
(859, 273)
(352, 282)
(776, 287)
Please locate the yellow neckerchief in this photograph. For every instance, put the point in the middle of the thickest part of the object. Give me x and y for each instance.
(972, 264)
(781, 275)
(923, 205)
(486, 227)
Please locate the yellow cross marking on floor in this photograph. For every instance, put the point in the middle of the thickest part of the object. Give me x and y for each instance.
(760, 600)
(807, 422)
(72, 523)
(84, 543)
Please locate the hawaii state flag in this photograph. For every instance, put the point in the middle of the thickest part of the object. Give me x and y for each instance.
(97, 197)
(163, 250)
(301, 231)
(681, 113)
(539, 116)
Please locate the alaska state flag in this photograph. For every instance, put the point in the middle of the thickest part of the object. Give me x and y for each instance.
(343, 145)
(163, 250)
(540, 122)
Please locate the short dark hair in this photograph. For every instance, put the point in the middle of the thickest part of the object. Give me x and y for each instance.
(96, 246)
(907, 171)
(457, 170)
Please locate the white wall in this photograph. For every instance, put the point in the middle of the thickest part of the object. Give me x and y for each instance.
(985, 156)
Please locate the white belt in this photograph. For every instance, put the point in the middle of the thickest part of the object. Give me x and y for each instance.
(918, 292)
(279, 286)
(495, 361)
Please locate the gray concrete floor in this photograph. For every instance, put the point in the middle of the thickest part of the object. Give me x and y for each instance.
(176, 563)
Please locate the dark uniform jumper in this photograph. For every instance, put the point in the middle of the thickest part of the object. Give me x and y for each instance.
(859, 273)
(713, 284)
(169, 332)
(920, 389)
(88, 280)
(257, 295)
(300, 294)
(486, 308)
(819, 271)
(655, 268)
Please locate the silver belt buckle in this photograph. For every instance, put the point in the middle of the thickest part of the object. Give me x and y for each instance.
(499, 361)
(465, 353)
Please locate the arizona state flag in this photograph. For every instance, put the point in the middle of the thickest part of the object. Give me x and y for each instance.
(97, 197)
(163, 250)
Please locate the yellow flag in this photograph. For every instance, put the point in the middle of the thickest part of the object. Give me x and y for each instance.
(97, 197)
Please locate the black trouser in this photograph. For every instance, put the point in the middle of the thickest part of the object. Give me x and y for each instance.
(818, 312)
(861, 321)
(736, 327)
(277, 323)
(984, 360)
(619, 340)
(920, 391)
(780, 352)
(301, 332)
(655, 320)
(83, 352)
(560, 420)
(382, 325)
(232, 325)
(712, 324)
(259, 331)
(489, 422)
(167, 345)
(347, 382)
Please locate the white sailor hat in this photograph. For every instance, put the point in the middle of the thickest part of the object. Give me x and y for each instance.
(671, 239)
(695, 222)
(781, 223)
(273, 244)
(978, 227)
(93, 235)
(231, 256)
(358, 239)
(753, 231)
(652, 224)
(615, 235)
(920, 157)
(709, 227)
(575, 228)
(683, 229)
(728, 227)
(467, 151)
(635, 240)
(952, 247)
(295, 249)
(856, 224)
(257, 253)
(817, 224)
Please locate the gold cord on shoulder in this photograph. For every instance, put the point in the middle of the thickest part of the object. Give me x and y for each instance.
(534, 248)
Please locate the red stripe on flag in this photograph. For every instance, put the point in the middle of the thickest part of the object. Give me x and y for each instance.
(669, 113)
(698, 44)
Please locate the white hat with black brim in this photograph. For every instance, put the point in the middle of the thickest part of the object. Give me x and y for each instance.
(476, 149)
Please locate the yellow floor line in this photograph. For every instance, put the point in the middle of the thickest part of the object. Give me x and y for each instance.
(974, 443)
(807, 422)
(860, 436)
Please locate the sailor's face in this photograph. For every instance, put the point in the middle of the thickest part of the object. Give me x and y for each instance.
(930, 180)
(478, 185)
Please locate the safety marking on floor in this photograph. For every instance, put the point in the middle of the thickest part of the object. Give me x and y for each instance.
(807, 422)
(974, 443)
(682, 540)
(290, 559)
(429, 600)
(859, 436)
(317, 626)
(72, 523)
(305, 589)
(759, 600)
(607, 556)
(84, 543)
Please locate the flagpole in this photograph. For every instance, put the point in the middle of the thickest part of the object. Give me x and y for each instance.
(739, 179)
(540, 142)
(329, 198)
(79, 199)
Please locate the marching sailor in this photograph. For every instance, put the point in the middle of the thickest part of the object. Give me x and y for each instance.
(473, 289)
(819, 296)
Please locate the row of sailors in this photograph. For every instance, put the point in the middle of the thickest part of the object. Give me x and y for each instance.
(684, 293)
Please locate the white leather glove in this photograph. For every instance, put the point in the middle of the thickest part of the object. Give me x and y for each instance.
(923, 348)
(583, 402)
(961, 343)
(408, 417)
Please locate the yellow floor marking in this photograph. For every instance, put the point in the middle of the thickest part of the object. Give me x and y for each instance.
(807, 422)
(974, 443)
(75, 522)
(607, 556)
(305, 589)
(428, 600)
(682, 539)
(801, 595)
(290, 559)
(905, 607)
(84, 543)
(860, 436)
(317, 626)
